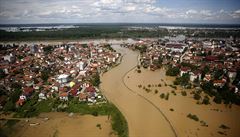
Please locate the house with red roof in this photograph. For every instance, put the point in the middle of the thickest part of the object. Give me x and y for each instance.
(83, 97)
(21, 100)
(207, 77)
(63, 96)
(27, 91)
(219, 83)
(184, 70)
(195, 75)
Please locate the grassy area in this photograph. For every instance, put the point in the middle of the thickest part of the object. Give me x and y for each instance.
(119, 123)
(11, 123)
(33, 108)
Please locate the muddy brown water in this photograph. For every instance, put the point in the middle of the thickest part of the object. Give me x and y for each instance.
(144, 119)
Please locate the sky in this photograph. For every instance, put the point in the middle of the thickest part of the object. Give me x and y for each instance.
(119, 11)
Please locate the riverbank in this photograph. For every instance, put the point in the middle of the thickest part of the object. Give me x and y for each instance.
(151, 85)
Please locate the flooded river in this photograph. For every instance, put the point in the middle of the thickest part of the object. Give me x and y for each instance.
(144, 119)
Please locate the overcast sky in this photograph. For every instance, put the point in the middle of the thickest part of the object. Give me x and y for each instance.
(110, 11)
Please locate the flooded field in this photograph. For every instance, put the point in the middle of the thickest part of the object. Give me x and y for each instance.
(177, 107)
(63, 125)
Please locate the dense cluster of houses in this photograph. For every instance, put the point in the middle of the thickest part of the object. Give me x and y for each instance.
(215, 54)
(49, 71)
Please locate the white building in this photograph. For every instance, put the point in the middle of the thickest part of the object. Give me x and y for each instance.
(82, 65)
(63, 78)
(195, 75)
(41, 96)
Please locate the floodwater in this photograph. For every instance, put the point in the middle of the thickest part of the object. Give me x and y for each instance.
(62, 125)
(144, 119)
(149, 116)
(214, 115)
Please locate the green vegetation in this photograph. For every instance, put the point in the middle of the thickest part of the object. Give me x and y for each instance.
(171, 109)
(162, 95)
(173, 92)
(108, 46)
(95, 80)
(183, 80)
(220, 94)
(71, 33)
(139, 71)
(203, 123)
(167, 96)
(45, 74)
(148, 90)
(172, 86)
(184, 93)
(11, 123)
(109, 31)
(119, 124)
(99, 126)
(141, 48)
(140, 86)
(2, 74)
(224, 126)
(14, 96)
(217, 99)
(196, 96)
(48, 49)
(149, 85)
(191, 66)
(205, 100)
(172, 71)
(193, 117)
(208, 87)
(155, 91)
(222, 133)
(33, 108)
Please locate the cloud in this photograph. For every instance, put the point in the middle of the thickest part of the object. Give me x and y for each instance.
(51, 11)
(191, 12)
(236, 14)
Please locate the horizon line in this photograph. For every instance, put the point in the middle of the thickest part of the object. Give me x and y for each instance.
(122, 23)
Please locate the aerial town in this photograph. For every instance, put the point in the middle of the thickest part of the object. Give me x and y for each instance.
(54, 71)
(119, 68)
(212, 64)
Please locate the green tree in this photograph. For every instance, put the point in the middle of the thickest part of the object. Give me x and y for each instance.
(217, 99)
(2, 74)
(172, 71)
(45, 74)
(95, 80)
